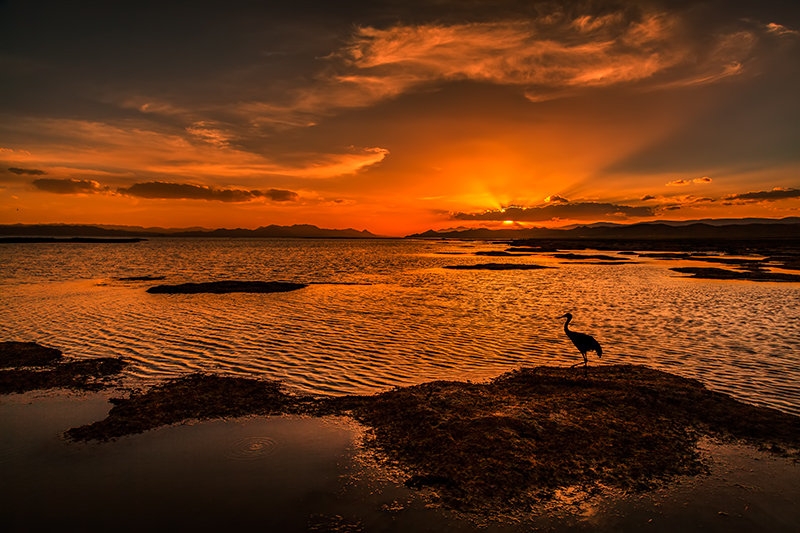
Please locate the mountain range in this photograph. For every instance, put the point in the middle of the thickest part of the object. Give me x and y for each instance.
(743, 229)
(297, 231)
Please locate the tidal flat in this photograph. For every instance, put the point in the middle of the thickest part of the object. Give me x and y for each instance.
(541, 445)
(393, 393)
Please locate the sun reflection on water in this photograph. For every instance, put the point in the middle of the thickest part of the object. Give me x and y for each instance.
(384, 313)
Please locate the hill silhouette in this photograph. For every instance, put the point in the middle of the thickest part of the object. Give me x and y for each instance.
(297, 231)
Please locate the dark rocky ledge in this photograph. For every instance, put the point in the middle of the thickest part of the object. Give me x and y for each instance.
(586, 257)
(224, 287)
(501, 253)
(496, 266)
(503, 446)
(24, 354)
(142, 278)
(725, 274)
(26, 366)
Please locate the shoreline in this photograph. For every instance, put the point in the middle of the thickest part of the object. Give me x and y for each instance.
(300, 473)
(518, 442)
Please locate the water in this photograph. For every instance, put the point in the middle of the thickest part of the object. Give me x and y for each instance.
(382, 313)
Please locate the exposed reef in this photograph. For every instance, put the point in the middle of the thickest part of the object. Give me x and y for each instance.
(501, 253)
(227, 286)
(29, 366)
(725, 274)
(197, 396)
(496, 266)
(142, 278)
(502, 446)
(595, 257)
(21, 354)
(776, 252)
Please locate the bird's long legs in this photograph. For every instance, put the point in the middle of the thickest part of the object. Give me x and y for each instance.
(585, 361)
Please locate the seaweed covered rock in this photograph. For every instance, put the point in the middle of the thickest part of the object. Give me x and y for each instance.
(196, 396)
(20, 354)
(26, 366)
(226, 286)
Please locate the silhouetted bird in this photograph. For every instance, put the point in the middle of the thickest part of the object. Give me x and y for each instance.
(583, 342)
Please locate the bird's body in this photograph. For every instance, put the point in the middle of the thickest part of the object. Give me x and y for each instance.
(583, 342)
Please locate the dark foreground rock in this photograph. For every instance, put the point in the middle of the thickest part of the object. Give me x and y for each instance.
(142, 278)
(197, 396)
(725, 274)
(26, 366)
(501, 446)
(496, 266)
(590, 257)
(18, 354)
(227, 286)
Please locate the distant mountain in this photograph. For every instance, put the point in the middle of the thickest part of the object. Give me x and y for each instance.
(697, 230)
(709, 221)
(742, 229)
(481, 234)
(297, 231)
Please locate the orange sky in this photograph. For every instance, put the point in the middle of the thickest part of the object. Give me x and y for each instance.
(398, 117)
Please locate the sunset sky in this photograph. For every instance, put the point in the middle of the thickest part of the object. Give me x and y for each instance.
(397, 116)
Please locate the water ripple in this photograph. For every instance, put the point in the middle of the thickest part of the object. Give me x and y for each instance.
(251, 448)
(392, 315)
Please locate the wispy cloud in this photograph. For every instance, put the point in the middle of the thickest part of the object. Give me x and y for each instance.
(546, 56)
(27, 171)
(186, 191)
(560, 211)
(779, 29)
(683, 182)
(203, 151)
(208, 132)
(773, 195)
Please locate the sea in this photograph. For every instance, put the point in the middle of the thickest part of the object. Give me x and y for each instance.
(383, 313)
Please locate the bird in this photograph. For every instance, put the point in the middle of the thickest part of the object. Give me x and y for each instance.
(583, 342)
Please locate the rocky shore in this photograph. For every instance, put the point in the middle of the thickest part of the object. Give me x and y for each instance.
(482, 448)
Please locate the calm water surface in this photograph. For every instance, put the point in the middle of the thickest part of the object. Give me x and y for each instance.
(385, 312)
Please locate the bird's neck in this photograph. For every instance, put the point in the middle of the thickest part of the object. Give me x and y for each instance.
(566, 324)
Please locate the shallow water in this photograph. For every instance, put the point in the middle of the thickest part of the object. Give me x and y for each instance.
(381, 313)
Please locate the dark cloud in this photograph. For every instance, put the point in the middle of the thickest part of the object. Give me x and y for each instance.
(572, 211)
(556, 199)
(186, 191)
(68, 186)
(769, 196)
(27, 171)
(648, 197)
(281, 195)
